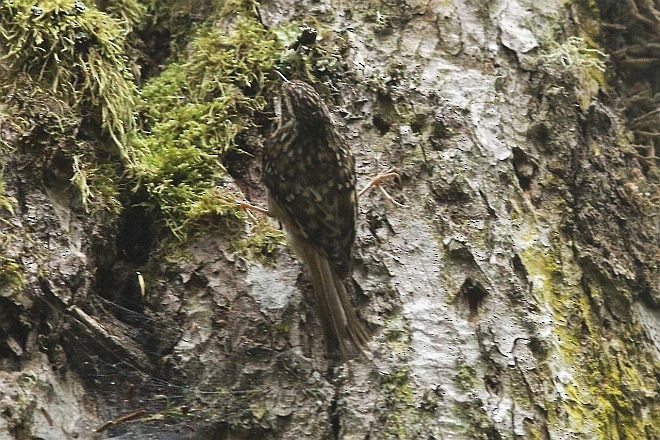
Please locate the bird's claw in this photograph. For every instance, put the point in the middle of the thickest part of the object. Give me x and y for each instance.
(377, 182)
(250, 208)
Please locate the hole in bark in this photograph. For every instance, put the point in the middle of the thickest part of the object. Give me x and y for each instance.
(419, 123)
(119, 283)
(136, 235)
(526, 169)
(155, 52)
(539, 133)
(381, 124)
(472, 294)
(439, 132)
(237, 161)
(455, 191)
(166, 33)
(57, 172)
(117, 278)
(539, 347)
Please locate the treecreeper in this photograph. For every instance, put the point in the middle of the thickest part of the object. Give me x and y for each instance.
(310, 176)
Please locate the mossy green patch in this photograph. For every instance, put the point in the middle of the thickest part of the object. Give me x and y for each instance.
(73, 50)
(409, 412)
(466, 377)
(190, 117)
(7, 203)
(129, 13)
(70, 74)
(480, 425)
(576, 63)
(261, 242)
(167, 28)
(68, 77)
(600, 393)
(97, 185)
(11, 275)
(400, 400)
(47, 129)
(320, 60)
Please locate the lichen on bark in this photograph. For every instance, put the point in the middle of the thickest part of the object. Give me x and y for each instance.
(513, 297)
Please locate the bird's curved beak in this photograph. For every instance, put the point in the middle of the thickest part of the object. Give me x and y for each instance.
(282, 77)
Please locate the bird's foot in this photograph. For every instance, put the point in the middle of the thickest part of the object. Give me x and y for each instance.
(250, 208)
(377, 182)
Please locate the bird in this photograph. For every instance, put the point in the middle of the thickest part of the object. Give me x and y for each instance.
(309, 174)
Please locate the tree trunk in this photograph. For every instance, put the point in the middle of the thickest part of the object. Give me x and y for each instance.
(514, 296)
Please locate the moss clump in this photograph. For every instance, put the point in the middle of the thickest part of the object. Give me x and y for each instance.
(401, 414)
(11, 275)
(75, 51)
(572, 57)
(310, 56)
(575, 64)
(69, 74)
(6, 202)
(261, 242)
(129, 13)
(408, 415)
(47, 128)
(97, 185)
(190, 117)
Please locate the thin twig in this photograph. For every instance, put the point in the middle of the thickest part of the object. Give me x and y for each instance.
(122, 419)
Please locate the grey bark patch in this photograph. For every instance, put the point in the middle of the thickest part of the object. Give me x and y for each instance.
(273, 289)
(565, 337)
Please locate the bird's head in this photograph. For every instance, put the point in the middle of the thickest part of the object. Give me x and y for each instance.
(302, 103)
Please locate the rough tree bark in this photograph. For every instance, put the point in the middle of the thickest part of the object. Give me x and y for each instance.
(515, 296)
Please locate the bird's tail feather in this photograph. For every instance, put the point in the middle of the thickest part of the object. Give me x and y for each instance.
(343, 330)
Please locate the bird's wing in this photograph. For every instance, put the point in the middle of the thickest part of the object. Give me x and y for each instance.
(318, 197)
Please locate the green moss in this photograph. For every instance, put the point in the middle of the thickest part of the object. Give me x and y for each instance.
(201, 107)
(261, 242)
(174, 19)
(7, 203)
(320, 62)
(80, 179)
(190, 117)
(397, 387)
(47, 129)
(75, 51)
(466, 377)
(604, 394)
(67, 68)
(129, 13)
(11, 274)
(589, 18)
(97, 186)
(571, 57)
(480, 425)
(577, 64)
(401, 412)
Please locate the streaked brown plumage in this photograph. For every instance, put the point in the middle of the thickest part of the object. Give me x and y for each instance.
(310, 176)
